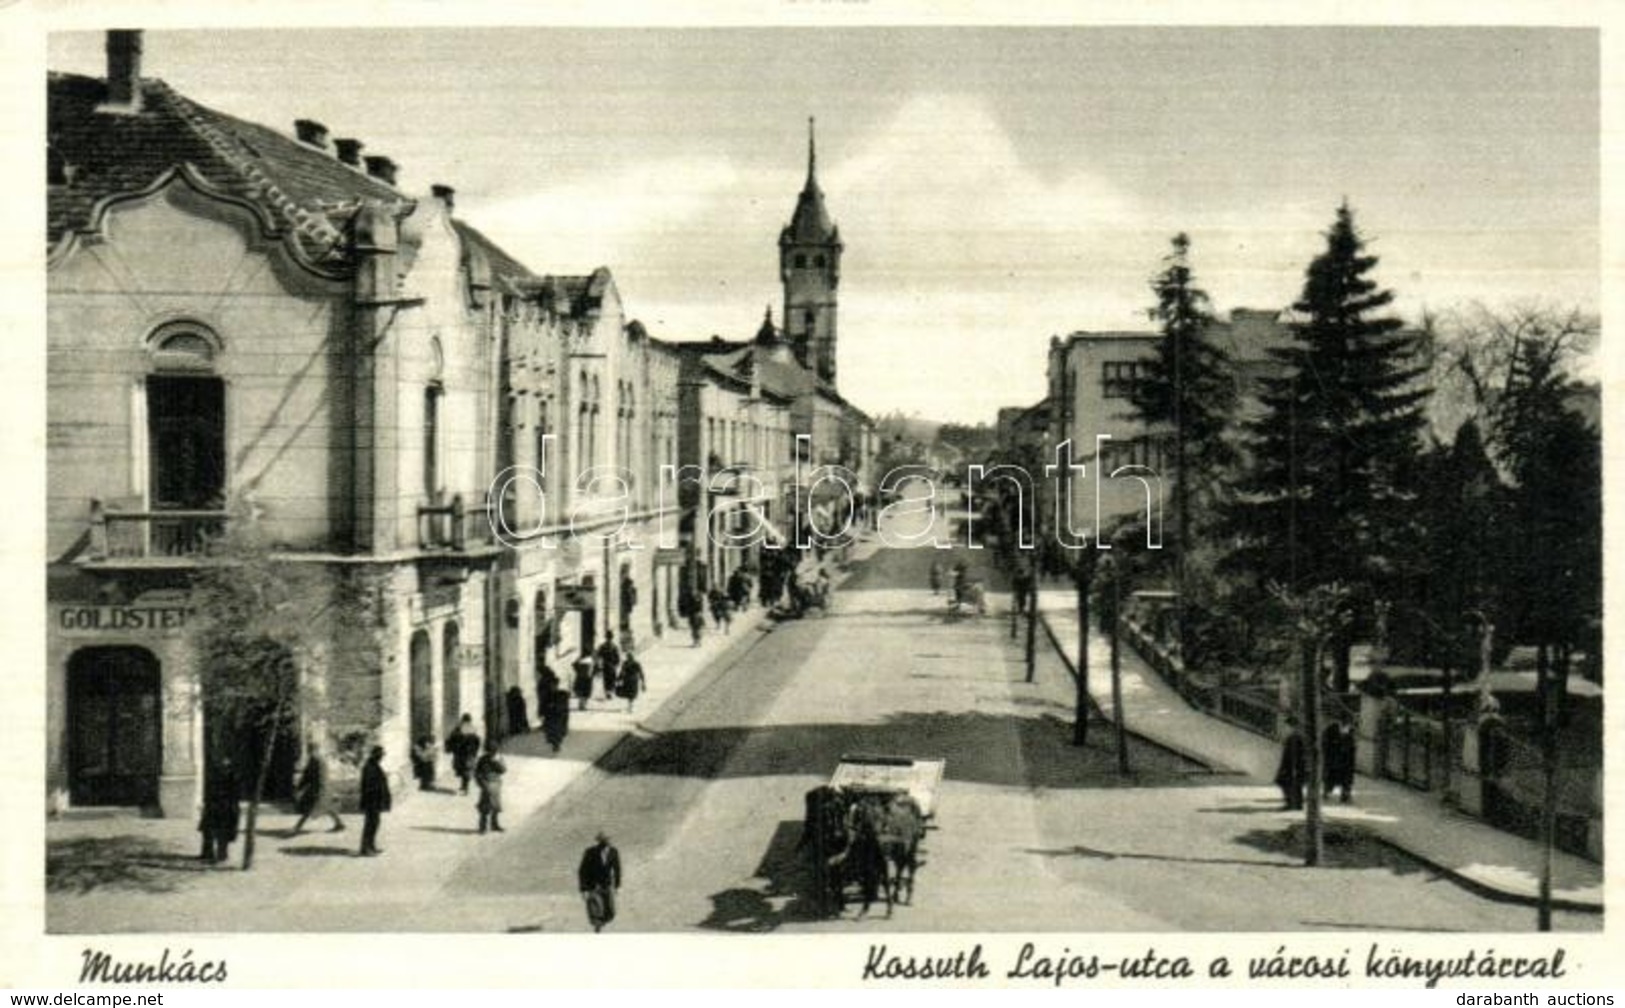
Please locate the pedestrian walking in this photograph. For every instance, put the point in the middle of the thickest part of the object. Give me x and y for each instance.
(721, 610)
(313, 796)
(696, 623)
(631, 682)
(518, 720)
(1337, 742)
(1022, 587)
(609, 663)
(423, 762)
(556, 720)
(936, 576)
(600, 878)
(488, 774)
(1292, 771)
(221, 811)
(547, 683)
(375, 801)
(739, 590)
(464, 746)
(581, 683)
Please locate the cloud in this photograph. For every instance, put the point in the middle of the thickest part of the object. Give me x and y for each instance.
(607, 217)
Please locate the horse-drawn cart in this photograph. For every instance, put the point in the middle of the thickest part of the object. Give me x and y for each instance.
(865, 827)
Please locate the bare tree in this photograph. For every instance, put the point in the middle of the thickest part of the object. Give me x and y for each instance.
(282, 643)
(1476, 350)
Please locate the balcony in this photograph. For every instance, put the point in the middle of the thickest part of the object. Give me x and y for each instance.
(151, 535)
(452, 527)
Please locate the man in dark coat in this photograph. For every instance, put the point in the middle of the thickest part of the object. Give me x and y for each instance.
(488, 773)
(599, 877)
(314, 796)
(609, 663)
(221, 811)
(1337, 742)
(464, 746)
(375, 800)
(1292, 772)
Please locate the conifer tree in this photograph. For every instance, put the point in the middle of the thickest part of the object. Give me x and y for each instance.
(1333, 454)
(1187, 391)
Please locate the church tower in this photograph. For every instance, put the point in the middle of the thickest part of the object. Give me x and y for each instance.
(810, 269)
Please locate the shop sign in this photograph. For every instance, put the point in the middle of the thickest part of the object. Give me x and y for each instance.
(670, 556)
(577, 597)
(106, 619)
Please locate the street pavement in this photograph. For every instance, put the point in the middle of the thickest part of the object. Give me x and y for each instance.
(702, 791)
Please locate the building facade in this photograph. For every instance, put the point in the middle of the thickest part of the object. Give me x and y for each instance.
(247, 326)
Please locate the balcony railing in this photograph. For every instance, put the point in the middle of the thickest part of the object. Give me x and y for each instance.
(452, 526)
(144, 535)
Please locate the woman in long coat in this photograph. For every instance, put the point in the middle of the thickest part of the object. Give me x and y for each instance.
(556, 719)
(632, 682)
(488, 774)
(581, 684)
(221, 811)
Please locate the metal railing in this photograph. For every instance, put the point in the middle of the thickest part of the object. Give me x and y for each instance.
(141, 535)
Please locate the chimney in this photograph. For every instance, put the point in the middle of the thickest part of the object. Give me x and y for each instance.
(123, 72)
(445, 194)
(349, 151)
(311, 132)
(381, 168)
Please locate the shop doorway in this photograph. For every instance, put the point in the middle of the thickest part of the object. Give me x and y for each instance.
(115, 727)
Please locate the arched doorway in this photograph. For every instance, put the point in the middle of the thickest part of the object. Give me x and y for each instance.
(421, 699)
(115, 726)
(451, 680)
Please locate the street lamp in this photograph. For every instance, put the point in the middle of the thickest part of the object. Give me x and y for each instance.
(1113, 569)
(1083, 573)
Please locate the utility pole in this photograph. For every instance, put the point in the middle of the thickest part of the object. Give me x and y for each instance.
(1030, 602)
(1117, 666)
(1551, 695)
(1315, 845)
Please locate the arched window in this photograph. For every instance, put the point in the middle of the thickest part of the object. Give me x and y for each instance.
(181, 446)
(432, 394)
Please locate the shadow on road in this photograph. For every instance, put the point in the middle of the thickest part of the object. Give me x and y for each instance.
(984, 748)
(787, 896)
(1080, 851)
(318, 851)
(1344, 847)
(85, 864)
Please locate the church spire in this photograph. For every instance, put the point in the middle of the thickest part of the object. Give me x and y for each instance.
(812, 153)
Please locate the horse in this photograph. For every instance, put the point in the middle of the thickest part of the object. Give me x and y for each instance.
(897, 824)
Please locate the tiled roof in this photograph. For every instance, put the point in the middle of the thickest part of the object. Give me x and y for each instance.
(303, 189)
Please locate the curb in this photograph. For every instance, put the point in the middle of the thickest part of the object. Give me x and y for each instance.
(1216, 767)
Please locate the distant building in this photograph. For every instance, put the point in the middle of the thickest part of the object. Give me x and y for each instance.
(1091, 375)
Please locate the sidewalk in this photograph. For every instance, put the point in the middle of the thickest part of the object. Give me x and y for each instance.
(1495, 863)
(117, 872)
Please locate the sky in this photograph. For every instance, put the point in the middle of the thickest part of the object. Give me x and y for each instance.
(994, 187)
